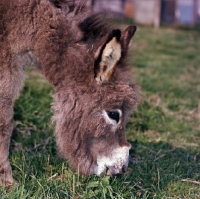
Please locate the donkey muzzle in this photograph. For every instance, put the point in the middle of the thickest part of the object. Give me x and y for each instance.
(116, 162)
(117, 172)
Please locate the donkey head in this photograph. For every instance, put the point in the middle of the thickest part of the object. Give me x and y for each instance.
(93, 105)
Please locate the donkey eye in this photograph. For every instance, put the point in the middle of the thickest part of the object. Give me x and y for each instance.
(114, 115)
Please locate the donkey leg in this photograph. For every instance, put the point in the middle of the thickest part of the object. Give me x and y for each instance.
(11, 79)
(6, 128)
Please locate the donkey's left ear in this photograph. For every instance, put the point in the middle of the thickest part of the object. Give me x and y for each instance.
(107, 57)
(126, 39)
(112, 50)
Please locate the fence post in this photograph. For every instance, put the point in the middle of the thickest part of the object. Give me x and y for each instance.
(157, 14)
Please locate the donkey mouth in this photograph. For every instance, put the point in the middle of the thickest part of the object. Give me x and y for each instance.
(112, 171)
(115, 164)
(116, 173)
(108, 173)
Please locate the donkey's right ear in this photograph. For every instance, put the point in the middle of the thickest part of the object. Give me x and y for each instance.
(126, 39)
(107, 56)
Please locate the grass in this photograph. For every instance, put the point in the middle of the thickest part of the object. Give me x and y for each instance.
(164, 131)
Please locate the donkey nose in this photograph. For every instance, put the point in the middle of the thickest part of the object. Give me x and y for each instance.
(119, 172)
(123, 169)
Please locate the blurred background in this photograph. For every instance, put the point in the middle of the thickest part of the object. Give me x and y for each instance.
(152, 12)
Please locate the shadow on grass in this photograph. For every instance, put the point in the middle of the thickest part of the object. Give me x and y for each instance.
(160, 167)
(156, 170)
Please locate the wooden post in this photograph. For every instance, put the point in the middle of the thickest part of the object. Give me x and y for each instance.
(157, 14)
(194, 12)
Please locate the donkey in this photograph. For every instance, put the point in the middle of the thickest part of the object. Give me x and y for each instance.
(84, 58)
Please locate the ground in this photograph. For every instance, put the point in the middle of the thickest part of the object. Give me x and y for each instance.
(164, 132)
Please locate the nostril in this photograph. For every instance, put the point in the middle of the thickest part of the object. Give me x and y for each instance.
(123, 169)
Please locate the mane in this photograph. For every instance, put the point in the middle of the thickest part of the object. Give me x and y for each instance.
(59, 3)
(93, 26)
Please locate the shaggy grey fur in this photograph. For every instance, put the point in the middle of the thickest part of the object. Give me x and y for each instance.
(84, 59)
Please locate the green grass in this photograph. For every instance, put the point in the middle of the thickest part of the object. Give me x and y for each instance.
(164, 131)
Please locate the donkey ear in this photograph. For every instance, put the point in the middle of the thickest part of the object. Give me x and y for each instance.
(107, 57)
(126, 39)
